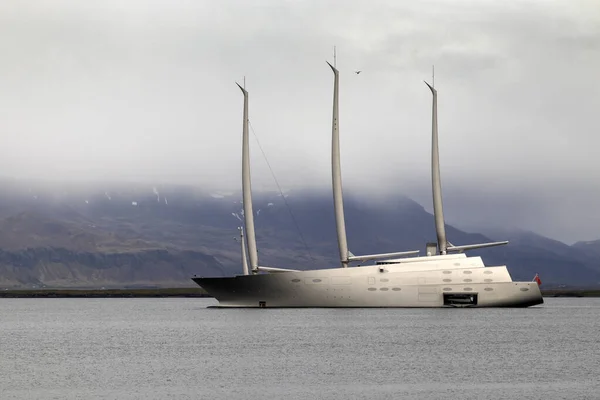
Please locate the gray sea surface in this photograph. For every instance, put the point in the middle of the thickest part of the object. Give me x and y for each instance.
(179, 349)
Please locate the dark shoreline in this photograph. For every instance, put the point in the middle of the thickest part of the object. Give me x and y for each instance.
(196, 292)
(102, 293)
(571, 293)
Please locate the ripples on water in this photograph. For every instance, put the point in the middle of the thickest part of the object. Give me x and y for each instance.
(177, 348)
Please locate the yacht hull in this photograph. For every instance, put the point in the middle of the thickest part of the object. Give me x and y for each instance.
(374, 286)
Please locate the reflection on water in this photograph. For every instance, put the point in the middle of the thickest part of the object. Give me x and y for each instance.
(177, 348)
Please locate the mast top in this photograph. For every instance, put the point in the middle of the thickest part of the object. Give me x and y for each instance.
(334, 66)
(432, 86)
(433, 90)
(242, 88)
(334, 69)
(334, 57)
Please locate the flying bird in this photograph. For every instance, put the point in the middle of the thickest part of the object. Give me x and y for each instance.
(357, 72)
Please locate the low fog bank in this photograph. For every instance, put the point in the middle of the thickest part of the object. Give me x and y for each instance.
(567, 215)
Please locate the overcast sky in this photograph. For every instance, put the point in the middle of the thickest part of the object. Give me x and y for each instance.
(145, 90)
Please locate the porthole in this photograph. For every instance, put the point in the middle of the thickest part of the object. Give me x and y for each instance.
(457, 264)
(447, 272)
(488, 289)
(488, 272)
(488, 280)
(396, 289)
(524, 289)
(317, 280)
(467, 289)
(372, 289)
(467, 272)
(296, 280)
(384, 289)
(468, 280)
(447, 280)
(446, 289)
(384, 280)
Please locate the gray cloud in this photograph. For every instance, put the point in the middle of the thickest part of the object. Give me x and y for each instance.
(144, 90)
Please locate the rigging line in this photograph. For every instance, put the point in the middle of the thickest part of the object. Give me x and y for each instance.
(281, 192)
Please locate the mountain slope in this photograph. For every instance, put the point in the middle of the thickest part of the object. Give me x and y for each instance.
(139, 234)
(590, 248)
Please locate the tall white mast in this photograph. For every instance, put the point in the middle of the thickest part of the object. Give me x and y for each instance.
(436, 183)
(336, 174)
(247, 188)
(244, 258)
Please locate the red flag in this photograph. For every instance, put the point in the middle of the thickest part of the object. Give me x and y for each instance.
(537, 279)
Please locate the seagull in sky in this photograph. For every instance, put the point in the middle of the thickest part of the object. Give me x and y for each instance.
(357, 72)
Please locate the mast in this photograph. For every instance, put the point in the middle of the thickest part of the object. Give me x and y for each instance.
(436, 183)
(244, 258)
(336, 174)
(247, 188)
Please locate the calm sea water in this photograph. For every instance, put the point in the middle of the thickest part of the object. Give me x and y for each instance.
(179, 349)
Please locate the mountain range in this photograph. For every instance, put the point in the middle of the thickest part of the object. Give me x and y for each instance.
(125, 235)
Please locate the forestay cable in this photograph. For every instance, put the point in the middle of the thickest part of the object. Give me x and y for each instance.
(281, 193)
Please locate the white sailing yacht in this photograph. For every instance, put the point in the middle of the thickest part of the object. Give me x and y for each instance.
(445, 277)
